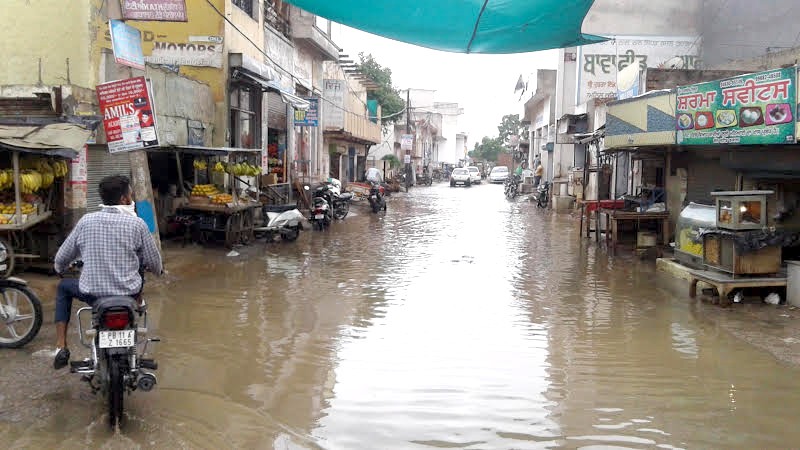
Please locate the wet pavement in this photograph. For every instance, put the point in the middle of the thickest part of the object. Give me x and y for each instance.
(456, 320)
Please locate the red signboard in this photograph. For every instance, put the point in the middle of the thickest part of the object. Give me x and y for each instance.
(160, 10)
(128, 114)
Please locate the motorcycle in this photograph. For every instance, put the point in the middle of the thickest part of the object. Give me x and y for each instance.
(320, 217)
(118, 343)
(543, 194)
(377, 197)
(338, 200)
(283, 220)
(511, 188)
(20, 309)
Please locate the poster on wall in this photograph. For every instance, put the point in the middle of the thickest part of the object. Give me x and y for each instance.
(126, 42)
(599, 65)
(157, 10)
(128, 114)
(334, 111)
(757, 108)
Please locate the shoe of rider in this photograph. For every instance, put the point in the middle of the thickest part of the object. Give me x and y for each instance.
(114, 245)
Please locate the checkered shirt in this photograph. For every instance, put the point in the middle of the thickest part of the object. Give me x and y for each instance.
(113, 246)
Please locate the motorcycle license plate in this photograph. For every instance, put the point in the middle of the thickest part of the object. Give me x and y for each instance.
(319, 216)
(116, 339)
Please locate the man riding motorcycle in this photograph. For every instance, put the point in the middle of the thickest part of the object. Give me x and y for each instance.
(114, 245)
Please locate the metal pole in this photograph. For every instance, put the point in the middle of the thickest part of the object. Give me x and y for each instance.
(408, 131)
(17, 199)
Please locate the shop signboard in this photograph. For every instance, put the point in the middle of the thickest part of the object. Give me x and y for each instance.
(757, 108)
(333, 114)
(198, 51)
(309, 117)
(599, 65)
(127, 44)
(128, 114)
(156, 10)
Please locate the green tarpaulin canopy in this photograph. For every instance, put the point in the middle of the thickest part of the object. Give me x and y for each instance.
(465, 26)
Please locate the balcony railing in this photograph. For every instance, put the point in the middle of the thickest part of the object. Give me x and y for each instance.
(362, 128)
(275, 18)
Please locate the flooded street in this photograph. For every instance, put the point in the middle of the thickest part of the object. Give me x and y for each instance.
(457, 320)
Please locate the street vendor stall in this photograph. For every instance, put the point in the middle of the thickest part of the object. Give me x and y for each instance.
(221, 203)
(34, 160)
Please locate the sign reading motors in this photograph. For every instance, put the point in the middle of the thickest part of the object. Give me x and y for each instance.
(201, 51)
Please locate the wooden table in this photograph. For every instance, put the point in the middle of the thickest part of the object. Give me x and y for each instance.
(615, 216)
(235, 222)
(725, 284)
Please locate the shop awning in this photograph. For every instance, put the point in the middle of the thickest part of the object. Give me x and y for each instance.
(56, 139)
(295, 101)
(208, 151)
(465, 26)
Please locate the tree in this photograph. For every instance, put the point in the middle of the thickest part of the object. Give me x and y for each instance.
(386, 95)
(393, 161)
(487, 149)
(511, 126)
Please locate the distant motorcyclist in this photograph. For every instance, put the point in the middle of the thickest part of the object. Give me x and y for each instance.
(373, 175)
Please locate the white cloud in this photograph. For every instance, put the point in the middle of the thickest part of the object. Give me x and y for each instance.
(482, 84)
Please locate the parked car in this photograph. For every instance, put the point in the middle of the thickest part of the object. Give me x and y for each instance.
(474, 174)
(460, 176)
(498, 174)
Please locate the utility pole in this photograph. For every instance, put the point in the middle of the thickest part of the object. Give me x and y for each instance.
(408, 131)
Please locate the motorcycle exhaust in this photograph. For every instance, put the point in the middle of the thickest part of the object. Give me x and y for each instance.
(147, 382)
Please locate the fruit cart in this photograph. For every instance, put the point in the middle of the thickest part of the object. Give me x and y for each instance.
(209, 214)
(28, 192)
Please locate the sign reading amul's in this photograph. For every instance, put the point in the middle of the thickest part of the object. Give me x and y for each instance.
(757, 108)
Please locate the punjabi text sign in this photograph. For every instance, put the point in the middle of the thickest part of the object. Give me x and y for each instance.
(128, 114)
(749, 109)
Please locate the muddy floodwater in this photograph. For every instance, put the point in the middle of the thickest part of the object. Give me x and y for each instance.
(456, 320)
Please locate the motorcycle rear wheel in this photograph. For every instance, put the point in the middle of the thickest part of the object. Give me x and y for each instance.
(292, 235)
(27, 308)
(376, 206)
(116, 390)
(341, 211)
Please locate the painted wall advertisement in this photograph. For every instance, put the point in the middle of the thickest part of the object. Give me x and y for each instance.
(157, 10)
(309, 117)
(757, 108)
(199, 51)
(333, 114)
(127, 44)
(600, 64)
(128, 114)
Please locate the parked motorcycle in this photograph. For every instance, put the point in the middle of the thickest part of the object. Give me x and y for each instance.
(321, 216)
(377, 197)
(511, 188)
(340, 201)
(20, 308)
(118, 343)
(543, 194)
(280, 220)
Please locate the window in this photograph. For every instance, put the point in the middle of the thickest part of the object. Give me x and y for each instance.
(245, 117)
(246, 6)
(276, 15)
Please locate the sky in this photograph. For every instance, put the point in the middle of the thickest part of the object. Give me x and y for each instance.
(482, 84)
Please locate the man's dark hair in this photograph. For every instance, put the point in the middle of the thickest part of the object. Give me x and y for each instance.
(113, 188)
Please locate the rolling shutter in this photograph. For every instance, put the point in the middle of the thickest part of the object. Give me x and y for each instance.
(705, 176)
(100, 163)
(276, 116)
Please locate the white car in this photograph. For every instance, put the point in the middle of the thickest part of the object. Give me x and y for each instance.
(498, 174)
(460, 176)
(474, 174)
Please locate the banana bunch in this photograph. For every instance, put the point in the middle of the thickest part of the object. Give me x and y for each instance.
(60, 168)
(31, 181)
(245, 169)
(200, 164)
(47, 171)
(219, 167)
(6, 179)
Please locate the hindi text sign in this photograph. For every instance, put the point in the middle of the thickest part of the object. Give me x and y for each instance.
(156, 10)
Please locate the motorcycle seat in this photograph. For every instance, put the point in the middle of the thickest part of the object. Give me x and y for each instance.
(346, 196)
(101, 305)
(279, 208)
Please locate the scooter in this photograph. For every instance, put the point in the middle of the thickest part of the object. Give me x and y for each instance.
(20, 309)
(377, 200)
(543, 194)
(283, 220)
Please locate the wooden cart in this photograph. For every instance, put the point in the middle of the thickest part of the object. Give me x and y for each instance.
(233, 224)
